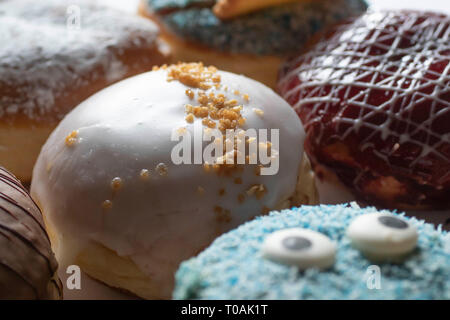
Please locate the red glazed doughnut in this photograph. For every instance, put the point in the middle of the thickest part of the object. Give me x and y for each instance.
(374, 98)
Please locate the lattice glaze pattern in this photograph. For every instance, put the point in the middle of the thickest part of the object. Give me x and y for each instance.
(374, 97)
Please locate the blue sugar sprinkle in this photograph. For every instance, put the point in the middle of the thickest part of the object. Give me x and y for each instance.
(278, 30)
(233, 268)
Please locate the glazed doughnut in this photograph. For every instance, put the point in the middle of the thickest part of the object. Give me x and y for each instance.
(251, 43)
(27, 263)
(124, 210)
(238, 266)
(53, 55)
(374, 99)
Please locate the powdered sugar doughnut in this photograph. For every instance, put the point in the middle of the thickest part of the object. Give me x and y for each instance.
(117, 201)
(375, 101)
(53, 55)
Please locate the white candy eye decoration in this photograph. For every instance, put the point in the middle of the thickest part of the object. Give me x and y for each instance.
(382, 236)
(300, 247)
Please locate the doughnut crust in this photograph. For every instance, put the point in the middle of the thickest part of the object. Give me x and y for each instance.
(226, 9)
(253, 44)
(55, 54)
(27, 263)
(374, 99)
(140, 211)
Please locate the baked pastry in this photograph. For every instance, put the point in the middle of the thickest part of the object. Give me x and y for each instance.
(241, 36)
(53, 55)
(27, 263)
(374, 99)
(117, 199)
(265, 258)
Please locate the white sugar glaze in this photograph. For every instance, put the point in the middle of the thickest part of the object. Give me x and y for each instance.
(159, 221)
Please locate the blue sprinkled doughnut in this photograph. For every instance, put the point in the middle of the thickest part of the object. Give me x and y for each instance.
(233, 267)
(274, 31)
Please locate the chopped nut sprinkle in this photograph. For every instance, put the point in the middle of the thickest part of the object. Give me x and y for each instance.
(190, 118)
(181, 130)
(190, 93)
(116, 183)
(193, 75)
(231, 103)
(209, 123)
(162, 169)
(201, 112)
(258, 111)
(107, 204)
(71, 138)
(156, 68)
(257, 190)
(144, 174)
(215, 110)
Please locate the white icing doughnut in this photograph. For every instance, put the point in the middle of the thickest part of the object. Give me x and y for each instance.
(300, 247)
(382, 236)
(106, 175)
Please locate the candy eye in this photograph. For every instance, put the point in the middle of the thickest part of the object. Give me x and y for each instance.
(300, 247)
(382, 236)
(392, 222)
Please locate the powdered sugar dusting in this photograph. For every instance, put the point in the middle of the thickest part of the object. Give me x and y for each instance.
(41, 57)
